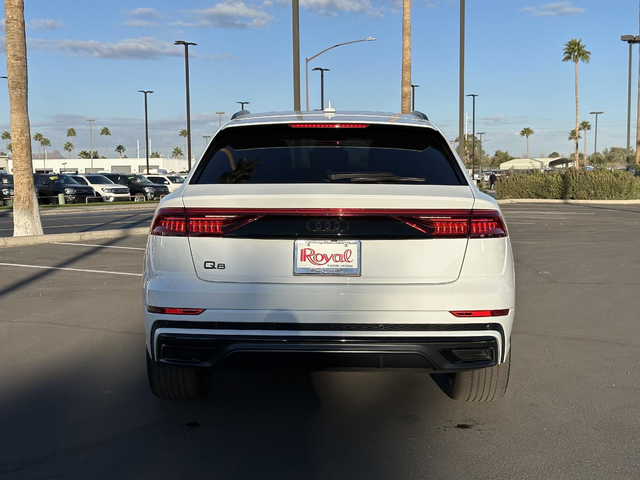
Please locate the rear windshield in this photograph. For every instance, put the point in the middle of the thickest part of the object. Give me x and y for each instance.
(284, 154)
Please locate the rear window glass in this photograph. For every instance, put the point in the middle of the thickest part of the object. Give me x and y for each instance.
(283, 154)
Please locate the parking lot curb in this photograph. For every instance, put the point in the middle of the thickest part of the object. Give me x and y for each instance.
(72, 237)
(569, 202)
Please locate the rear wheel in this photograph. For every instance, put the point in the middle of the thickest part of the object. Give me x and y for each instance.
(173, 382)
(484, 385)
(139, 197)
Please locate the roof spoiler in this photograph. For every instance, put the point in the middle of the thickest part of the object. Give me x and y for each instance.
(420, 115)
(240, 113)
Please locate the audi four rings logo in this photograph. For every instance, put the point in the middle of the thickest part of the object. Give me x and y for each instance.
(327, 225)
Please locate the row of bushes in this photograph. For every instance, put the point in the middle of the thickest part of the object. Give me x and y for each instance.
(599, 184)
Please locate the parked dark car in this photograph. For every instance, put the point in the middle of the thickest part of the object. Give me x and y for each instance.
(141, 187)
(50, 186)
(6, 190)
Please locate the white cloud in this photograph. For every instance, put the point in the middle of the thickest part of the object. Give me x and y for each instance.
(39, 24)
(143, 13)
(553, 10)
(145, 48)
(332, 8)
(141, 18)
(234, 15)
(139, 23)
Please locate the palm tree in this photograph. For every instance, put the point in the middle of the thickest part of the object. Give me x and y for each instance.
(68, 146)
(6, 136)
(26, 216)
(120, 149)
(526, 132)
(177, 152)
(71, 132)
(584, 126)
(38, 138)
(405, 99)
(575, 52)
(45, 143)
(105, 131)
(184, 133)
(575, 138)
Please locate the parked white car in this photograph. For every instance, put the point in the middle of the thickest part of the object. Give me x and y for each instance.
(109, 191)
(329, 239)
(173, 182)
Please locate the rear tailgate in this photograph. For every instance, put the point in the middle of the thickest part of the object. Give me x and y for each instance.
(391, 248)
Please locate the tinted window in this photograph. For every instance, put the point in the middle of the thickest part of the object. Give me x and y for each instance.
(98, 179)
(6, 179)
(80, 180)
(283, 154)
(176, 179)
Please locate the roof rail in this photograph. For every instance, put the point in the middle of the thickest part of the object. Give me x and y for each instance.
(420, 115)
(240, 113)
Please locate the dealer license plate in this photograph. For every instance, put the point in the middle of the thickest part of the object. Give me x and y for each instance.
(325, 257)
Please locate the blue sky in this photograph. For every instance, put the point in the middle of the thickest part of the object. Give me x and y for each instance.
(88, 59)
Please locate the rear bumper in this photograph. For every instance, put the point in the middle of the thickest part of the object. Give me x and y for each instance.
(435, 347)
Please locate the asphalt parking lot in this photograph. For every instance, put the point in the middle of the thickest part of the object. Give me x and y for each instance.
(74, 400)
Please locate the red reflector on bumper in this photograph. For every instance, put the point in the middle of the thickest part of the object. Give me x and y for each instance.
(175, 311)
(481, 313)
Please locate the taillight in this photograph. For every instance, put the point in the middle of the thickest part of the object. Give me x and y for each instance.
(328, 125)
(487, 224)
(175, 311)
(481, 313)
(196, 223)
(458, 223)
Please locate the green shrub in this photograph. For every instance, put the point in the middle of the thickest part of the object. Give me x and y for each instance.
(599, 184)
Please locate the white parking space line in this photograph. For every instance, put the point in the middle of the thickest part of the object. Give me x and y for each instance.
(98, 245)
(44, 267)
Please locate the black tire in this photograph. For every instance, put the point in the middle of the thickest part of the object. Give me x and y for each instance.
(172, 382)
(484, 385)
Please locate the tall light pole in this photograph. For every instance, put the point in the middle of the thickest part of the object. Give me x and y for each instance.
(595, 145)
(321, 70)
(307, 60)
(473, 148)
(91, 120)
(631, 40)
(206, 139)
(146, 126)
(295, 28)
(461, 115)
(186, 69)
(413, 97)
(220, 118)
(242, 104)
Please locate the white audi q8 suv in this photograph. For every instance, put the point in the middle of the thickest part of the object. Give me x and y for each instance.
(328, 239)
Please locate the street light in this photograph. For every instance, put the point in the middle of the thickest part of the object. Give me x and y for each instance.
(461, 114)
(186, 69)
(307, 60)
(90, 120)
(473, 153)
(242, 104)
(206, 139)
(146, 126)
(631, 40)
(595, 146)
(220, 117)
(413, 97)
(321, 70)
